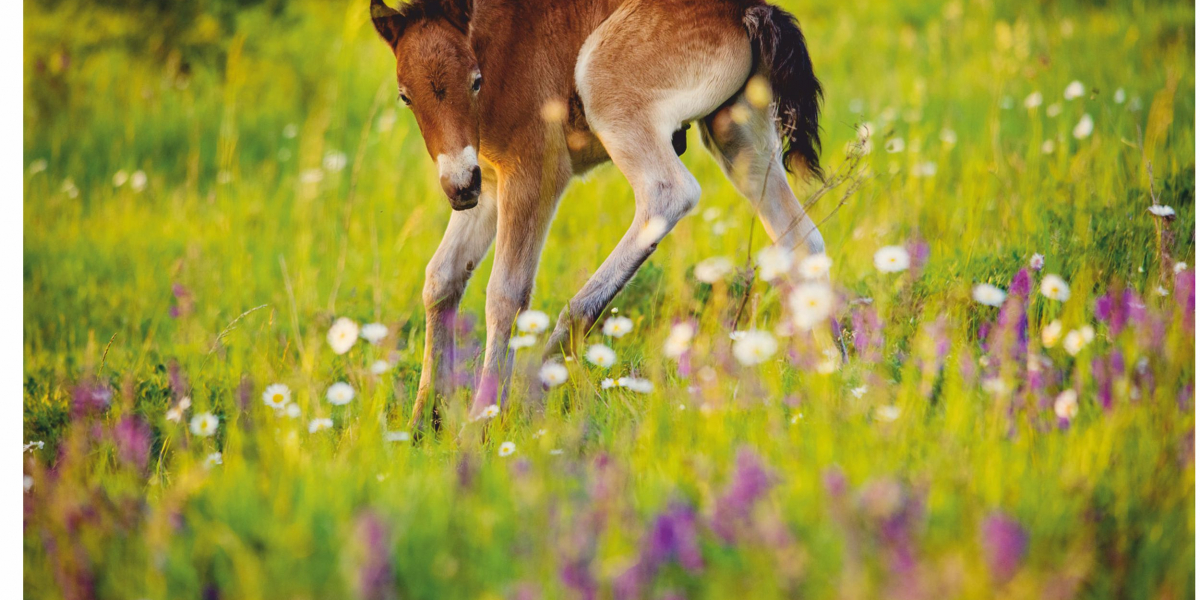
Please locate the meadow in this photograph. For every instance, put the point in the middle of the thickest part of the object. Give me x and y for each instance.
(210, 186)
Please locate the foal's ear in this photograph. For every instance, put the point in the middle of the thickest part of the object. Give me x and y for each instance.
(458, 13)
(388, 21)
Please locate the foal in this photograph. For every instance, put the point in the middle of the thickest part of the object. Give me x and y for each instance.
(516, 97)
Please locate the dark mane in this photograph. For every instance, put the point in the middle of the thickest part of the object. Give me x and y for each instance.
(391, 22)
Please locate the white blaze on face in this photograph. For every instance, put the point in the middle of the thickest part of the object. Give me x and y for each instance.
(457, 170)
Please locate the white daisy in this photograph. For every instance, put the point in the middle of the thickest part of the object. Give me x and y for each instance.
(1033, 100)
(396, 436)
(507, 448)
(120, 177)
(887, 413)
(811, 304)
(1074, 342)
(636, 384)
(607, 383)
(277, 396)
(342, 335)
(712, 270)
(1052, 333)
(774, 262)
(380, 367)
(334, 161)
(292, 410)
(1048, 147)
(679, 340)
(1055, 288)
(1162, 210)
(319, 424)
(986, 293)
(175, 414)
(815, 266)
(618, 326)
(1084, 128)
(539, 433)
(339, 394)
(213, 460)
(891, 259)
(894, 145)
(756, 347)
(374, 332)
(138, 181)
(1074, 90)
(1180, 267)
(553, 374)
(1054, 110)
(1066, 405)
(859, 391)
(532, 321)
(1119, 96)
(517, 342)
(601, 356)
(1088, 333)
(1037, 262)
(488, 413)
(948, 137)
(204, 424)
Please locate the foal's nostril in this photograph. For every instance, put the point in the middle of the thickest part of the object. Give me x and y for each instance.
(476, 180)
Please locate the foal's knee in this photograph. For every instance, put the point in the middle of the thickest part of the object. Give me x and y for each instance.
(505, 299)
(442, 285)
(672, 198)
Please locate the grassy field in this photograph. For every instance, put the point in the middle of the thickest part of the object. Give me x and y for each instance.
(208, 188)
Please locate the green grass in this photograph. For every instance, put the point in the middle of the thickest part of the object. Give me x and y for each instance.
(1104, 502)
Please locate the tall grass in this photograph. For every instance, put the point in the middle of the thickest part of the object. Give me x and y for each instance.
(280, 171)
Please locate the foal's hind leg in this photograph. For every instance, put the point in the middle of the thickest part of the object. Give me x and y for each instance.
(748, 149)
(649, 68)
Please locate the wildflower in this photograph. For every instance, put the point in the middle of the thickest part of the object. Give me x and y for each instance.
(894, 145)
(28, 483)
(1066, 405)
(292, 410)
(1180, 267)
(90, 398)
(755, 348)
(37, 166)
(925, 169)
(556, 452)
(948, 137)
(380, 367)
(374, 332)
(618, 326)
(119, 178)
(1074, 90)
(137, 181)
(132, 437)
(1004, 545)
(711, 214)
(601, 356)
(995, 386)
(607, 383)
(204, 424)
(891, 259)
(517, 342)
(339, 394)
(1052, 334)
(311, 176)
(1119, 96)
(488, 413)
(397, 436)
(1033, 100)
(815, 266)
(811, 303)
(773, 262)
(334, 161)
(290, 130)
(213, 460)
(887, 413)
(636, 384)
(830, 363)
(532, 321)
(748, 483)
(988, 294)
(712, 270)
(1054, 110)
(277, 396)
(1088, 333)
(319, 424)
(175, 414)
(653, 231)
(1037, 262)
(553, 374)
(1084, 128)
(679, 340)
(507, 448)
(859, 391)
(1055, 288)
(1162, 210)
(1048, 147)
(342, 335)
(31, 445)
(539, 433)
(1074, 342)
(796, 418)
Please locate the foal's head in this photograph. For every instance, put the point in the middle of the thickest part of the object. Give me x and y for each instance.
(440, 81)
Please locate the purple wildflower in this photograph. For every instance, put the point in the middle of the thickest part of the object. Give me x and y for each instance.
(918, 255)
(750, 482)
(375, 577)
(90, 398)
(1021, 284)
(1185, 295)
(1004, 545)
(132, 438)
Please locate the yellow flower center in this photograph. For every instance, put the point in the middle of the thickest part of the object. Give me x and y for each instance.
(277, 398)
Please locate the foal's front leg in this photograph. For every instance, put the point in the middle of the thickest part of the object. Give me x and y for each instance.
(465, 243)
(527, 199)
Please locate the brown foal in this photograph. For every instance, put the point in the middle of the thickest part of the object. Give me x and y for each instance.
(516, 97)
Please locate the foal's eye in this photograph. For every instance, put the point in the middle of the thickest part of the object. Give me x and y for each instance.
(476, 82)
(405, 100)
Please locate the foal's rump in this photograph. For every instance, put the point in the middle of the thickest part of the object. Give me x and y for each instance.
(655, 65)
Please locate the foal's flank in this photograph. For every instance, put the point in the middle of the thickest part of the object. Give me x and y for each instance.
(623, 77)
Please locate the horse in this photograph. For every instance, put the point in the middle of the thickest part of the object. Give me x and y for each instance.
(514, 98)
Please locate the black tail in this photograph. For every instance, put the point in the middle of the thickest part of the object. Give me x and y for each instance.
(783, 58)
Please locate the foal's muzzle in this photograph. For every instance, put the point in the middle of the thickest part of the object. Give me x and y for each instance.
(463, 197)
